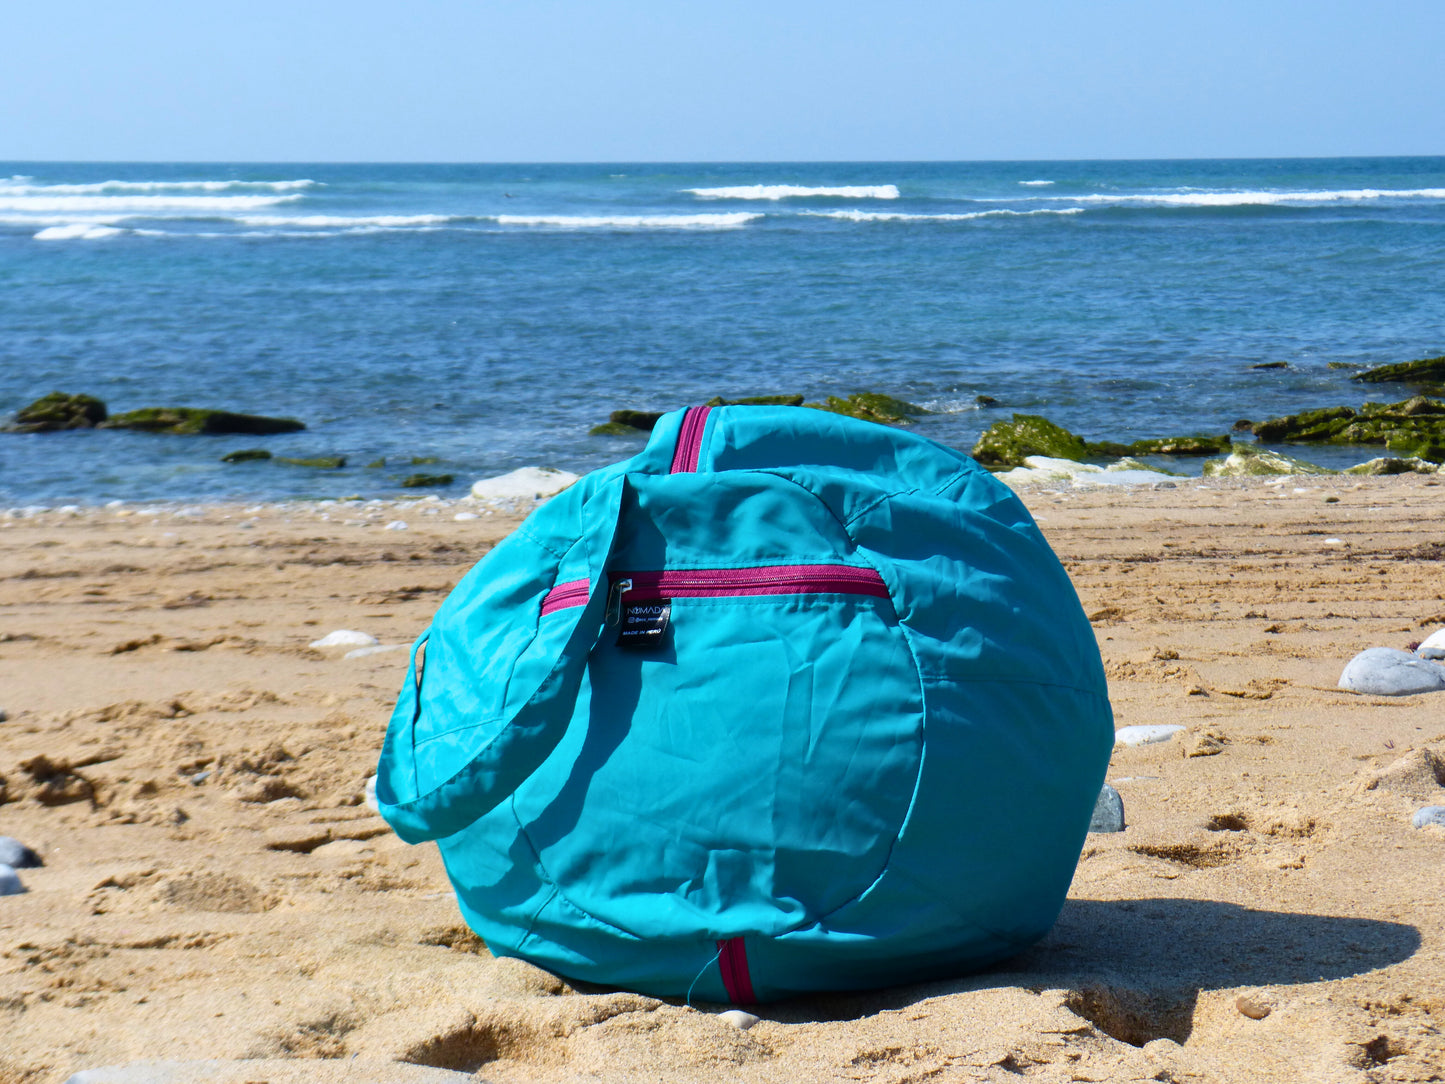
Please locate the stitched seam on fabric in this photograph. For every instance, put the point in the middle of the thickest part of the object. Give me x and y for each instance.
(530, 537)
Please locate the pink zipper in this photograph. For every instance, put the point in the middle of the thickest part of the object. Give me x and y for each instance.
(725, 583)
(689, 441)
(572, 593)
(732, 962)
(768, 580)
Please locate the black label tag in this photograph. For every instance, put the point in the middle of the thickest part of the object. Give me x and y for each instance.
(644, 624)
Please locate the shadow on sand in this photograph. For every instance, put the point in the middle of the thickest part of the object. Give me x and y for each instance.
(1135, 967)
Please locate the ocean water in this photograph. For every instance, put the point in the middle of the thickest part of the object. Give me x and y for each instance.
(489, 315)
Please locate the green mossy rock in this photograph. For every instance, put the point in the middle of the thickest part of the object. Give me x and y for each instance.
(1424, 371)
(320, 462)
(984, 401)
(616, 429)
(1246, 460)
(1006, 444)
(245, 455)
(871, 407)
(190, 421)
(1304, 427)
(420, 481)
(424, 460)
(757, 400)
(375, 463)
(1392, 465)
(59, 411)
(636, 419)
(1195, 445)
(1271, 365)
(1341, 365)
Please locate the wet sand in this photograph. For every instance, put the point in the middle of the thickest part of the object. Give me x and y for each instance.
(215, 887)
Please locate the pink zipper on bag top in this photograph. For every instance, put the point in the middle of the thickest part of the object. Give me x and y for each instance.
(768, 580)
(689, 441)
(726, 583)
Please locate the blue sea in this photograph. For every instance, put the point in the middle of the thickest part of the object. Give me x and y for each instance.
(489, 315)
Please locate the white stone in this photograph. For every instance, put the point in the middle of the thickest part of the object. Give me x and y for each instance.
(463, 517)
(346, 638)
(738, 1019)
(395, 525)
(1385, 671)
(1433, 646)
(374, 649)
(1145, 735)
(16, 855)
(1108, 811)
(10, 882)
(371, 801)
(531, 483)
(1431, 814)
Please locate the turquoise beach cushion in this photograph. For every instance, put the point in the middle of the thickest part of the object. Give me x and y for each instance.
(786, 702)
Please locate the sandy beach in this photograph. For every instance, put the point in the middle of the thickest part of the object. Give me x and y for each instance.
(215, 886)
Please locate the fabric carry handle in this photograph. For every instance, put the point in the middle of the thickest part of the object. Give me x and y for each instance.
(495, 770)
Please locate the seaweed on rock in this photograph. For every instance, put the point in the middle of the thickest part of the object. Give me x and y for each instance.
(191, 421)
(1423, 371)
(59, 410)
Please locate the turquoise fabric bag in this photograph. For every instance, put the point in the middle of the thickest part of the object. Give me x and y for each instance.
(787, 702)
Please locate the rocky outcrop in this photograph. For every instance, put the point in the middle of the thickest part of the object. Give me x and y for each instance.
(1008, 444)
(1413, 427)
(871, 407)
(59, 410)
(1247, 460)
(191, 421)
(245, 455)
(1424, 371)
(427, 481)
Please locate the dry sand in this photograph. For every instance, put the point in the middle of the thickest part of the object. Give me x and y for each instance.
(214, 886)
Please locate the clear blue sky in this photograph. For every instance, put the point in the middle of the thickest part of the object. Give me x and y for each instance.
(658, 80)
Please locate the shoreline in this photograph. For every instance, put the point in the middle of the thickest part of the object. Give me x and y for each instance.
(215, 887)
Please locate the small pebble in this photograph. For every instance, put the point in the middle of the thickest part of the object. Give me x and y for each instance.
(1108, 812)
(1255, 1010)
(738, 1019)
(1145, 735)
(16, 855)
(463, 517)
(3, 716)
(371, 801)
(1431, 814)
(395, 525)
(10, 882)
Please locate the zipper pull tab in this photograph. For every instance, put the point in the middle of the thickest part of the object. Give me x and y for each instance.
(614, 601)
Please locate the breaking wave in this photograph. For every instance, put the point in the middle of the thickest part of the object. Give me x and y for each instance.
(16, 186)
(790, 191)
(148, 205)
(1035, 184)
(631, 222)
(900, 216)
(1262, 198)
(77, 231)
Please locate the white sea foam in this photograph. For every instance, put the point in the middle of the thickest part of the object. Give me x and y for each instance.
(16, 186)
(788, 191)
(1255, 198)
(78, 231)
(1035, 184)
(351, 222)
(148, 205)
(900, 216)
(632, 222)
